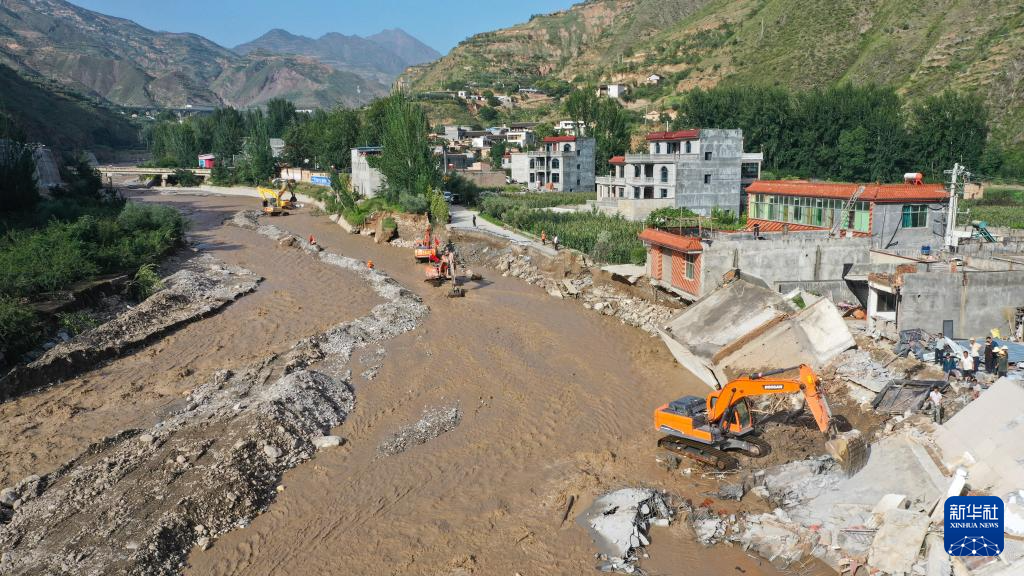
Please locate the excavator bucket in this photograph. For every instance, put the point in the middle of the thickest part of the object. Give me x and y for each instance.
(850, 450)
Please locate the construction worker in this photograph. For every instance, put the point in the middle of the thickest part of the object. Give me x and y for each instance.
(935, 398)
(1002, 361)
(543, 238)
(474, 220)
(554, 241)
(990, 355)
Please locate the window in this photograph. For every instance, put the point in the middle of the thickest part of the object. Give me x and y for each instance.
(531, 163)
(577, 182)
(621, 193)
(915, 215)
(707, 178)
(657, 147)
(531, 177)
(648, 192)
(636, 193)
(554, 177)
(687, 146)
(636, 170)
(664, 173)
(577, 166)
(649, 170)
(567, 148)
(664, 192)
(554, 164)
(690, 267)
(707, 155)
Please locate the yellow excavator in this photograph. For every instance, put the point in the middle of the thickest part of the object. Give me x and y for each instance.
(277, 200)
(705, 429)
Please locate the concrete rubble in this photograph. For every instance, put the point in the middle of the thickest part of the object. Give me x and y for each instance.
(619, 523)
(202, 286)
(569, 275)
(747, 327)
(136, 502)
(435, 421)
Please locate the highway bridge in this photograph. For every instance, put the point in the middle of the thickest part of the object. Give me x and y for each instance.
(163, 173)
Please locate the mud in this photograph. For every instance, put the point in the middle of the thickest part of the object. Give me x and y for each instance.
(137, 501)
(201, 287)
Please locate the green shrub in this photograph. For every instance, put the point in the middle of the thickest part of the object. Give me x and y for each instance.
(389, 224)
(187, 178)
(414, 204)
(146, 283)
(76, 322)
(19, 330)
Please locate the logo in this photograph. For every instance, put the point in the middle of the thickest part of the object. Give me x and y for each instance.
(974, 526)
(320, 180)
(772, 386)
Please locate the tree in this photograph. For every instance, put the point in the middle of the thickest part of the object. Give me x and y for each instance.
(280, 114)
(603, 119)
(405, 161)
(258, 165)
(947, 128)
(498, 150)
(853, 154)
(487, 114)
(17, 169)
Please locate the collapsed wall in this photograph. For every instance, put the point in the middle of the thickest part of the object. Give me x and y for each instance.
(201, 287)
(138, 501)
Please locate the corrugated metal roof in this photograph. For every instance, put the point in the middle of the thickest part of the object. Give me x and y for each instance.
(774, 226)
(673, 241)
(691, 134)
(881, 193)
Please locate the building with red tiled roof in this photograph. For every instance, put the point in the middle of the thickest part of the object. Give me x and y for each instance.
(891, 214)
(674, 262)
(691, 134)
(559, 139)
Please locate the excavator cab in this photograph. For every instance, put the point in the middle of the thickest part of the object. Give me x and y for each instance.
(738, 419)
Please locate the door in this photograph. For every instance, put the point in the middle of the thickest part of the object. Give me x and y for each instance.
(947, 328)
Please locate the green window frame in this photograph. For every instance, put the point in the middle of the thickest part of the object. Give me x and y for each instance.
(915, 215)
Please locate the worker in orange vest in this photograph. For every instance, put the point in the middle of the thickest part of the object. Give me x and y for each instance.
(544, 237)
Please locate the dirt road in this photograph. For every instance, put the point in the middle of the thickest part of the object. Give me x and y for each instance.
(556, 402)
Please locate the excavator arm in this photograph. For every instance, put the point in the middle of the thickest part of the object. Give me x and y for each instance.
(723, 401)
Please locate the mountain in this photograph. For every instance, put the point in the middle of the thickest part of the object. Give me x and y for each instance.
(382, 56)
(405, 46)
(918, 46)
(62, 119)
(129, 65)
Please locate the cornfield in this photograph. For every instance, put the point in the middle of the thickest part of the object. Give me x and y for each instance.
(610, 239)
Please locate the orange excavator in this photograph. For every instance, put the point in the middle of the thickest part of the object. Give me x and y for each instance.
(704, 429)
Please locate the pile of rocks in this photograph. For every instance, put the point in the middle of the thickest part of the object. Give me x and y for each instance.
(435, 421)
(620, 524)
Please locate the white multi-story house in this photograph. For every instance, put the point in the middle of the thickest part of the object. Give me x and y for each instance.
(366, 180)
(612, 90)
(523, 138)
(562, 164)
(700, 169)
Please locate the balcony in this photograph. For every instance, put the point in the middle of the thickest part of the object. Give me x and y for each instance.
(658, 158)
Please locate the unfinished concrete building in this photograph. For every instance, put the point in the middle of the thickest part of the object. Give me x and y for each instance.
(700, 169)
(562, 164)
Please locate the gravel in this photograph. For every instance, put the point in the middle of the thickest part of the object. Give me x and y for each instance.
(435, 421)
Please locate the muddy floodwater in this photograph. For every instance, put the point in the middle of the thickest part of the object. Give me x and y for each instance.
(556, 402)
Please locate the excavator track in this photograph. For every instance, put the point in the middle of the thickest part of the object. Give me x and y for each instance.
(700, 452)
(763, 447)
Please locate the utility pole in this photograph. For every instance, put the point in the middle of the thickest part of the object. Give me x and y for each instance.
(952, 240)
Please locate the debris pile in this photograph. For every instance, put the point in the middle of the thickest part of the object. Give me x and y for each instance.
(858, 367)
(202, 286)
(136, 502)
(434, 422)
(578, 283)
(620, 523)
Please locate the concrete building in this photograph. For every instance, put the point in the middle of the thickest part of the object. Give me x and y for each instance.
(366, 180)
(277, 147)
(566, 126)
(653, 79)
(455, 133)
(523, 137)
(690, 266)
(612, 90)
(963, 298)
(890, 214)
(562, 164)
(698, 169)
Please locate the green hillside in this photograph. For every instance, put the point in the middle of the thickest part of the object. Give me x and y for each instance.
(62, 119)
(918, 46)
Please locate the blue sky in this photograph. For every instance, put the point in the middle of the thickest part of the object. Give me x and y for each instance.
(439, 23)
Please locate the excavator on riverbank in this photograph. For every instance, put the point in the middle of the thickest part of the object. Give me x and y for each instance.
(277, 200)
(705, 429)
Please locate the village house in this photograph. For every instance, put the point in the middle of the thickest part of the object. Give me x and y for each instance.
(561, 164)
(653, 79)
(366, 180)
(612, 90)
(521, 137)
(905, 214)
(699, 169)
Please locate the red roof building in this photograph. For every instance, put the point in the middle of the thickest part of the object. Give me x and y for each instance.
(559, 139)
(674, 261)
(891, 213)
(691, 134)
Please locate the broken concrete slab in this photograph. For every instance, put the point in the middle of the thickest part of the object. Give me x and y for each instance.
(619, 523)
(984, 437)
(897, 543)
(936, 559)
